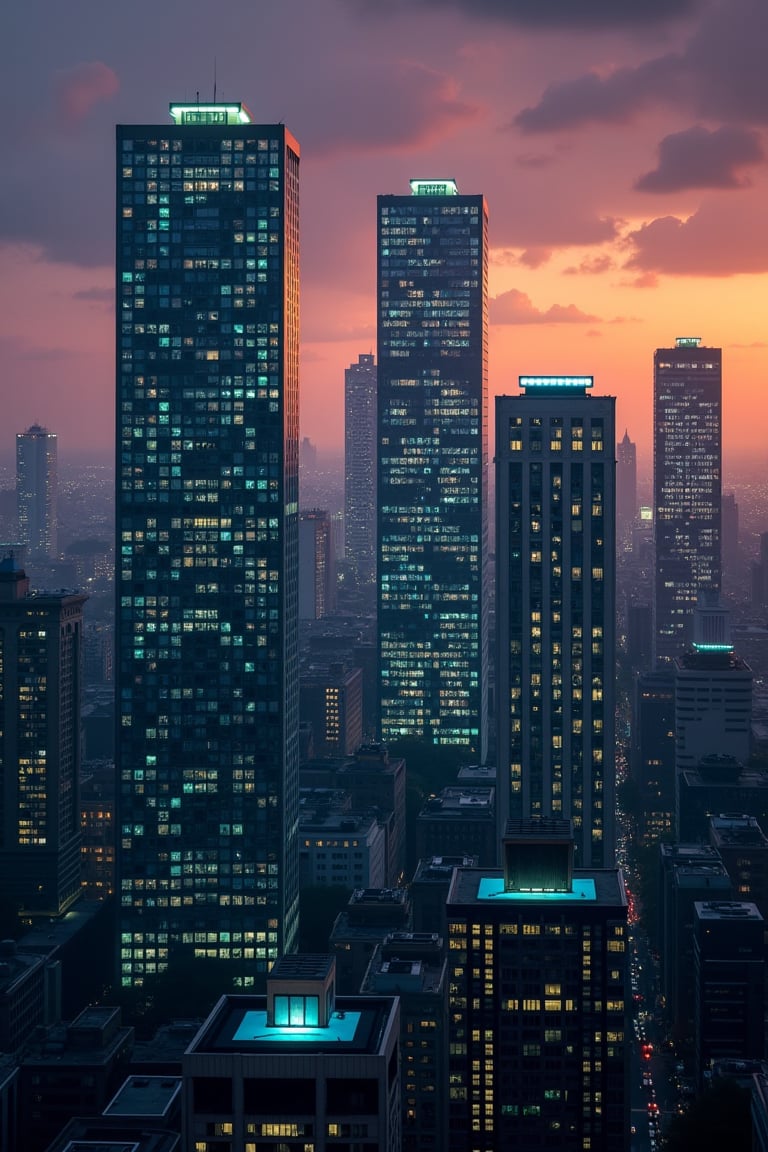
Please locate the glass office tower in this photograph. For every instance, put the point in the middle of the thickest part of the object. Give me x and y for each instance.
(687, 487)
(360, 466)
(207, 532)
(556, 609)
(37, 491)
(432, 468)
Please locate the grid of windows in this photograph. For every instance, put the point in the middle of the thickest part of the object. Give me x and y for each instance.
(207, 433)
(432, 444)
(555, 556)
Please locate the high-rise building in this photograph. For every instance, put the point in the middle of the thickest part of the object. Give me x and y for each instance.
(40, 698)
(626, 491)
(301, 1067)
(539, 1021)
(432, 465)
(317, 567)
(360, 465)
(207, 526)
(713, 692)
(37, 490)
(555, 609)
(687, 481)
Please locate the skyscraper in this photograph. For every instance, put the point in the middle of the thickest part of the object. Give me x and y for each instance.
(626, 491)
(207, 526)
(360, 464)
(40, 697)
(555, 609)
(432, 467)
(687, 480)
(37, 490)
(317, 567)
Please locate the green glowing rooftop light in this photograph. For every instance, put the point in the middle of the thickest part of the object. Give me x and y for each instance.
(556, 381)
(687, 341)
(492, 888)
(713, 647)
(434, 188)
(198, 114)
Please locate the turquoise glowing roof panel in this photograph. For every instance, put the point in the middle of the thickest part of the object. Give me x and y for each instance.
(253, 1028)
(560, 382)
(492, 888)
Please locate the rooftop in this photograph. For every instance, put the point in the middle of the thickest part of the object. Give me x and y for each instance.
(238, 1024)
(727, 910)
(144, 1096)
(486, 886)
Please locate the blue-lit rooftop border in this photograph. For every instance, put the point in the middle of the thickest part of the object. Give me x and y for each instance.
(253, 1028)
(556, 381)
(434, 188)
(713, 647)
(492, 888)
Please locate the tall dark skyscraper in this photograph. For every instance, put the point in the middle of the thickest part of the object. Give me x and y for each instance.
(432, 468)
(687, 482)
(207, 531)
(37, 490)
(360, 465)
(40, 697)
(626, 491)
(555, 609)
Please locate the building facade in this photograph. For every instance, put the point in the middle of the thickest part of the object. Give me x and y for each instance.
(555, 609)
(432, 465)
(37, 491)
(360, 465)
(539, 1019)
(687, 486)
(626, 491)
(317, 566)
(207, 527)
(40, 700)
(298, 1068)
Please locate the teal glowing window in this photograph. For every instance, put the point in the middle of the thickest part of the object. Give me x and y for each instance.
(296, 1011)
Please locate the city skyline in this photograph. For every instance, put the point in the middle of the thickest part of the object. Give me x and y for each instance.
(618, 197)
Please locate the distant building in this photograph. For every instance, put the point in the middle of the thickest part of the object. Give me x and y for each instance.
(30, 994)
(718, 784)
(370, 915)
(743, 849)
(729, 983)
(672, 856)
(687, 443)
(539, 1016)
(429, 891)
(652, 753)
(40, 687)
(459, 821)
(360, 453)
(713, 692)
(729, 523)
(689, 883)
(37, 491)
(317, 566)
(348, 850)
(413, 967)
(300, 1066)
(97, 821)
(72, 1070)
(626, 491)
(331, 701)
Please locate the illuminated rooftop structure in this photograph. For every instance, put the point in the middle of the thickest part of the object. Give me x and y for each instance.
(218, 114)
(687, 341)
(550, 384)
(434, 188)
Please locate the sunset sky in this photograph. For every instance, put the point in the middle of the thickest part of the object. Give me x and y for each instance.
(622, 147)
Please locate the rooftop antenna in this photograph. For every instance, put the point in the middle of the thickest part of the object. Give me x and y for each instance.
(214, 79)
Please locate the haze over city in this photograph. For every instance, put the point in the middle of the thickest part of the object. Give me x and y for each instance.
(620, 149)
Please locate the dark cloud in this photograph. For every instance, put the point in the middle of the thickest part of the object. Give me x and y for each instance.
(612, 99)
(548, 14)
(105, 296)
(720, 74)
(715, 241)
(698, 158)
(515, 307)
